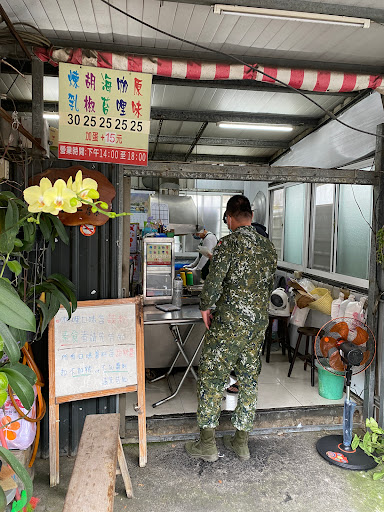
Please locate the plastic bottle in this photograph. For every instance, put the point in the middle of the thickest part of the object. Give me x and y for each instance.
(184, 279)
(190, 278)
(177, 291)
(344, 304)
(335, 307)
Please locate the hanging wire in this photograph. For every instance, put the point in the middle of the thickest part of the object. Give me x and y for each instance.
(253, 68)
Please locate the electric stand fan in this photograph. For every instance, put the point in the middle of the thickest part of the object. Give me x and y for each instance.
(345, 346)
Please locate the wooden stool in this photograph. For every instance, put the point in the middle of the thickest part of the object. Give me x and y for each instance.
(282, 336)
(92, 484)
(309, 355)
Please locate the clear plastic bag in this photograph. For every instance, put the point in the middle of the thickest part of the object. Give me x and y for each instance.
(19, 433)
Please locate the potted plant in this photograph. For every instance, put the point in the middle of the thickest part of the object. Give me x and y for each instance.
(28, 299)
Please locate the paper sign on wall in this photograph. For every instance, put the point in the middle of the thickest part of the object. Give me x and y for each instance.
(104, 114)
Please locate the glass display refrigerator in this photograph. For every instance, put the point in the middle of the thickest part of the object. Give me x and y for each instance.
(158, 269)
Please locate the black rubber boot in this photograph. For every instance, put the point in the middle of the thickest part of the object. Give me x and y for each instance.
(204, 448)
(238, 444)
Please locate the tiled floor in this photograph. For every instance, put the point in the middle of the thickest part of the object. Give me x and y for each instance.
(276, 390)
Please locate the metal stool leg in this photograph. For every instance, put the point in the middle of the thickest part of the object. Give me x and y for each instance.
(268, 341)
(295, 354)
(306, 354)
(312, 363)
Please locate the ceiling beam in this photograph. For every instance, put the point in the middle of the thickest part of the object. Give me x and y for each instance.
(213, 159)
(200, 116)
(252, 173)
(355, 11)
(13, 31)
(195, 140)
(216, 141)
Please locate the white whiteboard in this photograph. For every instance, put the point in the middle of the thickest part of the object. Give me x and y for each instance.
(96, 349)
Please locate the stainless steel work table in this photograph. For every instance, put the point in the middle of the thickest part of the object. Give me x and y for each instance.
(188, 315)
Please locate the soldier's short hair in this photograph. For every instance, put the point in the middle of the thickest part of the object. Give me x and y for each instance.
(239, 207)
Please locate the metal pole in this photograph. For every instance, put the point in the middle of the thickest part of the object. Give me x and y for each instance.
(38, 99)
(375, 281)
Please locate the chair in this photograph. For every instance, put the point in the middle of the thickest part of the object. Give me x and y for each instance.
(309, 355)
(282, 336)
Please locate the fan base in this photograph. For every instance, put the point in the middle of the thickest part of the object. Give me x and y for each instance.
(331, 449)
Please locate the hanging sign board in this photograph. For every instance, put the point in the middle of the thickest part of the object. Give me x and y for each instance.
(98, 352)
(104, 114)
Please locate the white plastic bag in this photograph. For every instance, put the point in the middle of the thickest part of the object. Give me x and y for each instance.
(344, 304)
(299, 316)
(335, 308)
(356, 310)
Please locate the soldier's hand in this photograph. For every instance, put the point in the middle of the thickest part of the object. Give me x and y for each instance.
(207, 318)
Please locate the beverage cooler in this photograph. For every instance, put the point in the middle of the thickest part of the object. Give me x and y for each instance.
(158, 270)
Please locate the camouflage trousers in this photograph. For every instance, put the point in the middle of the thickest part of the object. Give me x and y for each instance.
(229, 346)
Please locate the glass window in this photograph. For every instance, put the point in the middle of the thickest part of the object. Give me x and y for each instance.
(224, 231)
(294, 224)
(354, 234)
(277, 212)
(324, 196)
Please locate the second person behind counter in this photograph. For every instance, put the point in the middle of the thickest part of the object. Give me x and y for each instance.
(207, 243)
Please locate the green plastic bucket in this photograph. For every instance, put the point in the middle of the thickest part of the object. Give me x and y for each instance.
(331, 385)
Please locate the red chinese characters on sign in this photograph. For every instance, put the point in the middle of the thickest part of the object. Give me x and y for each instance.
(103, 154)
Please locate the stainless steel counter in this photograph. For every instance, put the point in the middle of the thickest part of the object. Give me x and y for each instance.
(187, 315)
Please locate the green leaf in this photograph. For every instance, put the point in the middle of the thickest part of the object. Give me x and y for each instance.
(21, 386)
(60, 228)
(25, 370)
(18, 242)
(13, 311)
(11, 348)
(45, 227)
(3, 500)
(46, 315)
(67, 287)
(14, 266)
(63, 301)
(19, 335)
(19, 469)
(12, 216)
(378, 475)
(355, 442)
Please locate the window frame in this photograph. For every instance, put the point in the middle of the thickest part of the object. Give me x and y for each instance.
(308, 238)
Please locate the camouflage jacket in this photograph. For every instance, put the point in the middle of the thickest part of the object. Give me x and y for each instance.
(240, 278)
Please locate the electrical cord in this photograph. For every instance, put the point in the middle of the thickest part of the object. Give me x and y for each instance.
(237, 59)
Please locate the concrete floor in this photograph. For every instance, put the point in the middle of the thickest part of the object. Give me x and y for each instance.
(285, 473)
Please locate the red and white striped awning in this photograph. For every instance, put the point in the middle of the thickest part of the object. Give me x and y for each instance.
(303, 79)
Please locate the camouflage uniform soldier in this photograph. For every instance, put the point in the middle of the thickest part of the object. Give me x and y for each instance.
(239, 284)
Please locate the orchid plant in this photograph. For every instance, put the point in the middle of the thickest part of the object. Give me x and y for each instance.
(67, 197)
(28, 307)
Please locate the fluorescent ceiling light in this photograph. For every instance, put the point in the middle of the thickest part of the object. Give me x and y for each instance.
(253, 126)
(51, 116)
(239, 10)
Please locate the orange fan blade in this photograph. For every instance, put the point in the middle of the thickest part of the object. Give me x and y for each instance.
(366, 356)
(326, 343)
(341, 328)
(361, 336)
(336, 363)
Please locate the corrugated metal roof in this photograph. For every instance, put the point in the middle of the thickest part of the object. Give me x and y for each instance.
(93, 24)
